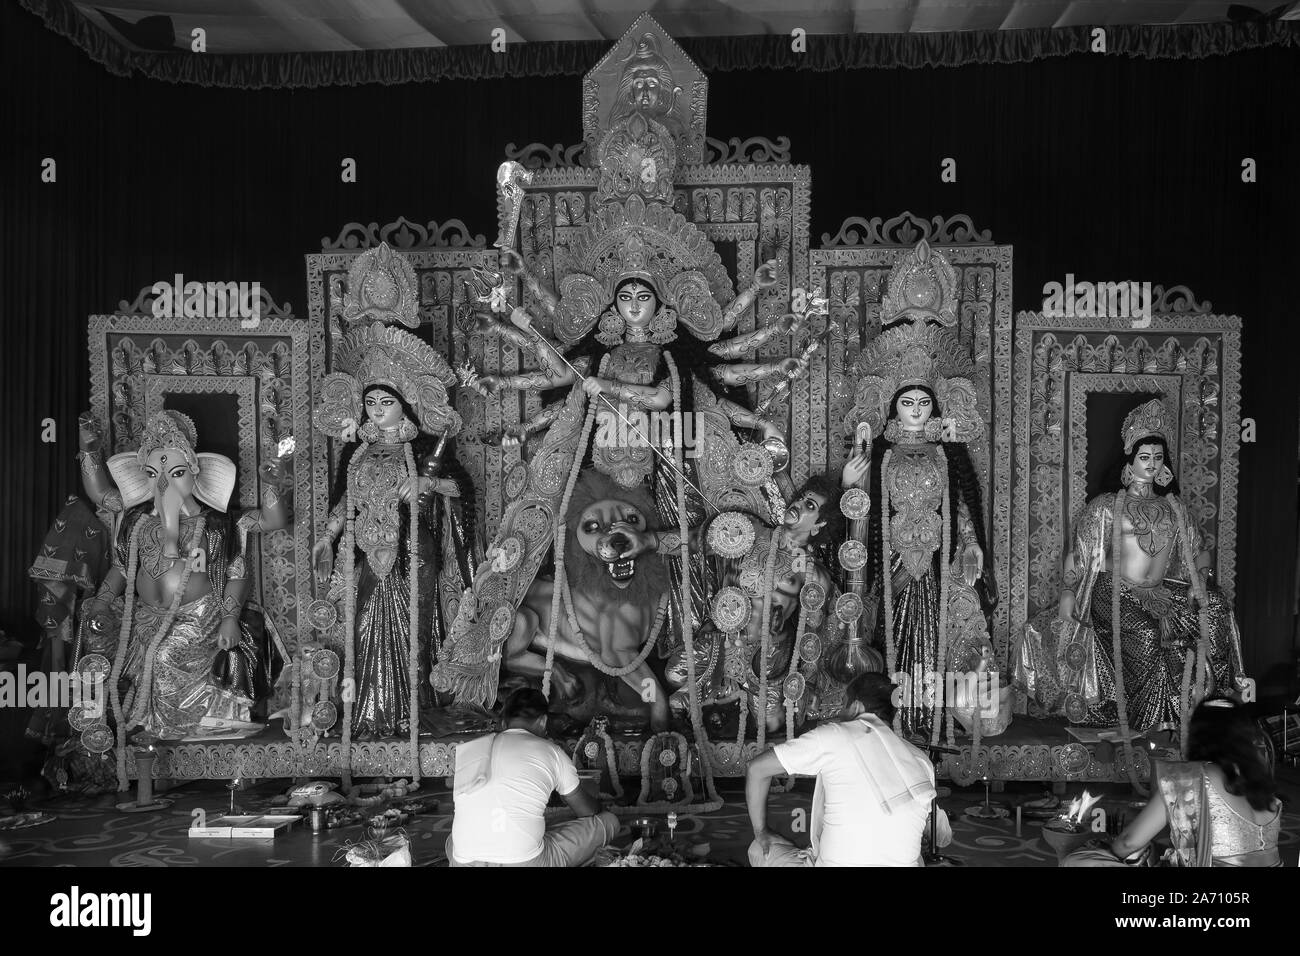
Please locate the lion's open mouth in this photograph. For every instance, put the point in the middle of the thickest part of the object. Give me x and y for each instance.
(621, 571)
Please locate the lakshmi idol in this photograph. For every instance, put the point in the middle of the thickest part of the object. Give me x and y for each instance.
(925, 542)
(405, 547)
(180, 561)
(1138, 599)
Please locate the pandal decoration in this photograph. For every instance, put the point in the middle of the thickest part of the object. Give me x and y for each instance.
(665, 766)
(593, 745)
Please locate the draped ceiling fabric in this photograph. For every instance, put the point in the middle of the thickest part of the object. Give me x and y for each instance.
(1103, 166)
(254, 44)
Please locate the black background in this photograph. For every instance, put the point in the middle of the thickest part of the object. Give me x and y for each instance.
(1109, 167)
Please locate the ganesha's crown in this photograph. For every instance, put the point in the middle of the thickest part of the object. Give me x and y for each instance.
(169, 429)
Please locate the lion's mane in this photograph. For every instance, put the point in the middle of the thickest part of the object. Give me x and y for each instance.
(587, 573)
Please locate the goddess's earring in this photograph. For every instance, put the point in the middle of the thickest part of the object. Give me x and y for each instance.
(1126, 476)
(1165, 478)
(663, 327)
(611, 329)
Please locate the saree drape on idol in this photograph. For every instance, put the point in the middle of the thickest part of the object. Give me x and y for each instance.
(1073, 672)
(183, 697)
(1204, 830)
(383, 618)
(186, 696)
(916, 643)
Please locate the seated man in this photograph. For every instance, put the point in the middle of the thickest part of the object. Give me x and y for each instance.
(873, 788)
(502, 785)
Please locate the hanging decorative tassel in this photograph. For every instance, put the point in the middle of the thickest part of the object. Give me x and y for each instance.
(688, 623)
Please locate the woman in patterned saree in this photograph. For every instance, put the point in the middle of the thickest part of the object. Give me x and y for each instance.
(1220, 807)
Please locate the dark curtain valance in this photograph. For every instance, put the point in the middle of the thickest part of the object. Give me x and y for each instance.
(863, 51)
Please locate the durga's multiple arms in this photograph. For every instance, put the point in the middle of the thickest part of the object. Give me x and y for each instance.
(742, 417)
(764, 276)
(746, 373)
(512, 264)
(739, 345)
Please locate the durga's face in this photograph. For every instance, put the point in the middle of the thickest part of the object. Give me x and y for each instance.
(384, 409)
(636, 303)
(914, 408)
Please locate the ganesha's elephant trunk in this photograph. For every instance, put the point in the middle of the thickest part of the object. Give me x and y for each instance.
(168, 501)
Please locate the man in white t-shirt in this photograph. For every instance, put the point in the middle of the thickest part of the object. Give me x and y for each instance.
(873, 791)
(502, 785)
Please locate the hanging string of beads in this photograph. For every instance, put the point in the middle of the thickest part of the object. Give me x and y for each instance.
(807, 623)
(1193, 693)
(941, 645)
(561, 576)
(348, 547)
(413, 575)
(688, 638)
(765, 641)
(887, 585)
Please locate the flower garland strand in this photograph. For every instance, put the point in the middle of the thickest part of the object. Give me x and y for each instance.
(599, 664)
(349, 616)
(1193, 693)
(123, 636)
(413, 574)
(558, 534)
(808, 622)
(765, 640)
(941, 645)
(1121, 700)
(688, 638)
(887, 584)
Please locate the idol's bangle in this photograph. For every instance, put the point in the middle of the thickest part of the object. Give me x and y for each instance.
(670, 542)
(231, 606)
(628, 395)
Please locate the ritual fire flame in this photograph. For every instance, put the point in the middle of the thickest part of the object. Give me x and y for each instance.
(1076, 813)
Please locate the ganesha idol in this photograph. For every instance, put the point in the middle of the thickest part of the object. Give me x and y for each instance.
(188, 660)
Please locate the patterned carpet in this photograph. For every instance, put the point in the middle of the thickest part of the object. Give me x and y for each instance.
(91, 832)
